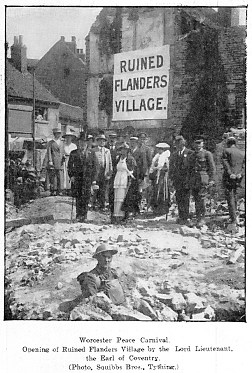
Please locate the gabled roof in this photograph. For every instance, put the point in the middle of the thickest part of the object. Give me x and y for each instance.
(62, 45)
(71, 112)
(20, 85)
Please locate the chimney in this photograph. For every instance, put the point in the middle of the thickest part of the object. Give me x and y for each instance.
(73, 44)
(18, 54)
(224, 16)
(62, 38)
(235, 13)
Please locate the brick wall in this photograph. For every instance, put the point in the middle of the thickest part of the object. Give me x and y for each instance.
(233, 53)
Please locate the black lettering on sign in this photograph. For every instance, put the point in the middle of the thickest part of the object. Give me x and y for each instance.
(149, 82)
(142, 105)
(159, 103)
(117, 84)
(149, 105)
(164, 81)
(123, 66)
(135, 83)
(151, 62)
(160, 60)
(127, 106)
(142, 82)
(118, 105)
(156, 81)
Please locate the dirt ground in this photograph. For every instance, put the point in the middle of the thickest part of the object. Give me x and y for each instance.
(162, 265)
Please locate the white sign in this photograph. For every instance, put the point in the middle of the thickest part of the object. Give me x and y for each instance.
(140, 84)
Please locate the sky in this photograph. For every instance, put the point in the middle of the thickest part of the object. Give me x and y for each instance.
(42, 27)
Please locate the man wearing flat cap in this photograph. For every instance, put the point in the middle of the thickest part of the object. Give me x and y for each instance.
(102, 278)
(178, 175)
(82, 170)
(105, 169)
(201, 176)
(233, 160)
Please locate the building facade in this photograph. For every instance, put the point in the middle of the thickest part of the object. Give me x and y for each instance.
(62, 70)
(21, 88)
(206, 92)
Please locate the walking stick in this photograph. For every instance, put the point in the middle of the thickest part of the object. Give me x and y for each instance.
(72, 191)
(72, 209)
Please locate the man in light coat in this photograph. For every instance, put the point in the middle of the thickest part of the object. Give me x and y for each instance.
(55, 161)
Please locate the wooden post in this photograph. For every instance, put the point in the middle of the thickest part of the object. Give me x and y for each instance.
(33, 124)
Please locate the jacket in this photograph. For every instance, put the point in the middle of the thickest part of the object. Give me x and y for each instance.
(233, 160)
(83, 165)
(108, 168)
(179, 168)
(55, 154)
(143, 160)
(201, 169)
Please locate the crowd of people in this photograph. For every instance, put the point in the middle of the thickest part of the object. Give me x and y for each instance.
(99, 170)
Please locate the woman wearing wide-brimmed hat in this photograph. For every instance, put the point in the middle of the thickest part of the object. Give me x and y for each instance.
(160, 200)
(125, 196)
(68, 147)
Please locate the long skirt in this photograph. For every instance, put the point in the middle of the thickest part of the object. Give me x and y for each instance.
(66, 178)
(160, 201)
(119, 197)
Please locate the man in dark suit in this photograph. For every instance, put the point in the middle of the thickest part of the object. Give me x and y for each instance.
(233, 160)
(105, 169)
(201, 174)
(178, 174)
(82, 169)
(55, 160)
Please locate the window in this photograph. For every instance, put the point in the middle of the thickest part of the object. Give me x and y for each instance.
(66, 72)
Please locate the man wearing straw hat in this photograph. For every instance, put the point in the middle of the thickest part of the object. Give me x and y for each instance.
(55, 161)
(102, 278)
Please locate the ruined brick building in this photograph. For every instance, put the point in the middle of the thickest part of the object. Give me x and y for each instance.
(206, 92)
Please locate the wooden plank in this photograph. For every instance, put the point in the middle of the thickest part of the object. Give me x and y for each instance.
(15, 223)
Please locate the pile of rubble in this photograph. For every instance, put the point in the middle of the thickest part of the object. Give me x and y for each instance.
(174, 274)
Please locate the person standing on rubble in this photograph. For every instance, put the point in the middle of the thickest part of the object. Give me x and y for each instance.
(160, 198)
(201, 175)
(233, 160)
(68, 147)
(178, 177)
(82, 170)
(54, 162)
(102, 278)
(104, 169)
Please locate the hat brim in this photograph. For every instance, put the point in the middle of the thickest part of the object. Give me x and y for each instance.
(112, 251)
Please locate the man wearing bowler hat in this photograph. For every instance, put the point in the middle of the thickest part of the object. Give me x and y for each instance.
(201, 176)
(178, 175)
(54, 161)
(102, 278)
(104, 170)
(82, 170)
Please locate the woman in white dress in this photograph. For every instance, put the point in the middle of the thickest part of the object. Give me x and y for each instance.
(160, 201)
(124, 175)
(68, 147)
